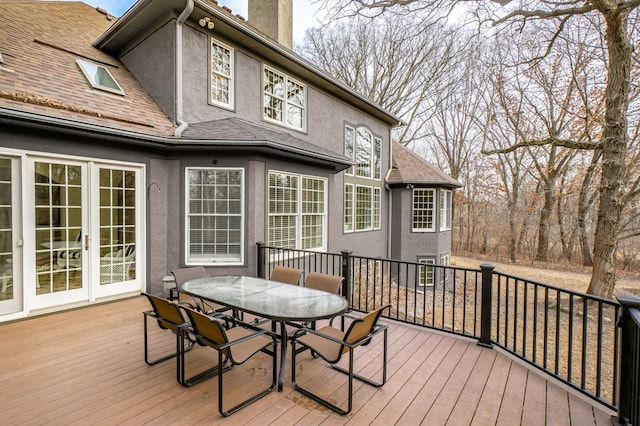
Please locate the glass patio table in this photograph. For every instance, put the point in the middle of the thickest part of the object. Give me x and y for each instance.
(268, 299)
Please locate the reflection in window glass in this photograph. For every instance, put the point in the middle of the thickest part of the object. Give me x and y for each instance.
(284, 99)
(215, 222)
(221, 74)
(117, 225)
(6, 231)
(99, 77)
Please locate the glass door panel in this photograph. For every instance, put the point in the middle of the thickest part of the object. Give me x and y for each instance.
(118, 217)
(117, 226)
(59, 253)
(10, 285)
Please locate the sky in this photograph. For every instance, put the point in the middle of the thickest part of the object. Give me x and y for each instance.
(303, 12)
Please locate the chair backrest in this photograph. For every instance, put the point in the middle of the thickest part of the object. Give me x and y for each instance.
(182, 275)
(324, 282)
(210, 328)
(168, 314)
(362, 327)
(287, 275)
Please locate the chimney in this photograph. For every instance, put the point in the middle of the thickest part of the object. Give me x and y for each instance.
(274, 18)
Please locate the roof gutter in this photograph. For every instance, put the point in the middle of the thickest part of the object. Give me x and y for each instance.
(179, 92)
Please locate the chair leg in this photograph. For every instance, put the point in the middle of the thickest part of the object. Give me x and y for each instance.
(182, 369)
(254, 398)
(146, 344)
(348, 372)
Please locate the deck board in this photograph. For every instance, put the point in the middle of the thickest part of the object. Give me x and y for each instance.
(86, 366)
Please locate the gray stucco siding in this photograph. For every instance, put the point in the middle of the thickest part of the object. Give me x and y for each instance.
(153, 64)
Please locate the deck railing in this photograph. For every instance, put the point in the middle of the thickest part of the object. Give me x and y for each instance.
(629, 323)
(569, 335)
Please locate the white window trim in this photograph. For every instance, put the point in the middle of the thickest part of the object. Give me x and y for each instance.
(299, 214)
(433, 211)
(93, 83)
(427, 261)
(215, 102)
(287, 78)
(355, 209)
(198, 262)
(376, 207)
(445, 209)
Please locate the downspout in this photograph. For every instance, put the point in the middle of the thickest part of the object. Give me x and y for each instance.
(182, 125)
(390, 197)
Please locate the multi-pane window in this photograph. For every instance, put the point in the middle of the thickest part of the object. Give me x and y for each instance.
(221, 79)
(284, 99)
(215, 208)
(376, 208)
(364, 149)
(425, 273)
(423, 210)
(362, 190)
(348, 207)
(445, 209)
(363, 213)
(297, 211)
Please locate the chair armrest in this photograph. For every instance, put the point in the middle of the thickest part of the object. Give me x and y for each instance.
(249, 337)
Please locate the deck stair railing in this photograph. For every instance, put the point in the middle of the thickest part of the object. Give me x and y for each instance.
(569, 335)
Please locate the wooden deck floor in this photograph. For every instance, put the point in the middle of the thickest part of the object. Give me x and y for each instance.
(86, 367)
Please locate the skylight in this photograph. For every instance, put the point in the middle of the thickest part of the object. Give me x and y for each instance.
(99, 77)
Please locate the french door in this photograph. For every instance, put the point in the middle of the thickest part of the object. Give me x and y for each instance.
(11, 296)
(85, 231)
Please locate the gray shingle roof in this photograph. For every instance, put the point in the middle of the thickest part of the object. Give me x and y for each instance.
(40, 43)
(410, 168)
(230, 130)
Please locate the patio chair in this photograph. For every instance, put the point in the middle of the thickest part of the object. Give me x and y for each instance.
(324, 282)
(235, 345)
(282, 274)
(287, 275)
(182, 275)
(331, 344)
(319, 281)
(169, 317)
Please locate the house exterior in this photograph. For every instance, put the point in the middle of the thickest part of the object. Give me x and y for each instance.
(421, 209)
(176, 135)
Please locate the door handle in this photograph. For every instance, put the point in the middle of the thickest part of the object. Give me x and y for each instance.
(86, 242)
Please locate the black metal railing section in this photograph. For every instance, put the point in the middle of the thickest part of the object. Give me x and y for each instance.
(569, 335)
(629, 390)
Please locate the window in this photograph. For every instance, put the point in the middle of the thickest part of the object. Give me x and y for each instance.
(377, 158)
(215, 207)
(444, 261)
(376, 208)
(349, 149)
(284, 100)
(221, 79)
(364, 145)
(363, 208)
(297, 211)
(445, 209)
(362, 201)
(425, 273)
(348, 207)
(99, 77)
(423, 210)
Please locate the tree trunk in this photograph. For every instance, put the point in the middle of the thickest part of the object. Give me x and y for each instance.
(543, 227)
(614, 152)
(584, 205)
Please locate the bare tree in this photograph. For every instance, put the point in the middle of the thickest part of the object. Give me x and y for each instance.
(392, 66)
(613, 16)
